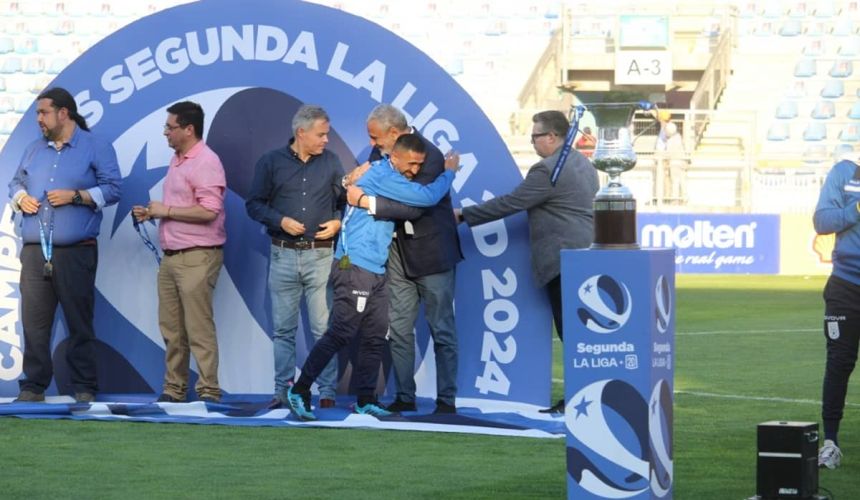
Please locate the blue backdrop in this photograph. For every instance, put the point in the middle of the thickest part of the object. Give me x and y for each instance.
(250, 64)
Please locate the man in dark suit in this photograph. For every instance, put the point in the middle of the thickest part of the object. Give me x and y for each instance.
(421, 264)
(560, 216)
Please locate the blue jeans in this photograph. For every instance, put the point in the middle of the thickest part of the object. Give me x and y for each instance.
(291, 274)
(437, 293)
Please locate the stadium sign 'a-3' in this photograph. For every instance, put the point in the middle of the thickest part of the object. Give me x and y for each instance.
(250, 65)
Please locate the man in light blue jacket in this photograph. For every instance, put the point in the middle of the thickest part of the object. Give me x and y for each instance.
(838, 211)
(358, 274)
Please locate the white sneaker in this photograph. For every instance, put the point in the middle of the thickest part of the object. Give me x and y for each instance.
(829, 455)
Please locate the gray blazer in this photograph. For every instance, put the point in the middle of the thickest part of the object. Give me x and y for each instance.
(559, 216)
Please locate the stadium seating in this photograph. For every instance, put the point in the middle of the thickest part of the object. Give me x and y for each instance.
(823, 110)
(841, 69)
(787, 110)
(851, 133)
(841, 149)
(824, 9)
(815, 131)
(805, 67)
(833, 89)
(791, 27)
(779, 131)
(849, 48)
(843, 26)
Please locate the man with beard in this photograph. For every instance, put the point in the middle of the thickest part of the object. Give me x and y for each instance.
(63, 181)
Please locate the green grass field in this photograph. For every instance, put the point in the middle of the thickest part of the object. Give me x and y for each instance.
(748, 349)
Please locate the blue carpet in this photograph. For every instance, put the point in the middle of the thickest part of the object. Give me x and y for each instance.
(474, 416)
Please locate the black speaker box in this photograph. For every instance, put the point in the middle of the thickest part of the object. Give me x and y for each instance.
(787, 460)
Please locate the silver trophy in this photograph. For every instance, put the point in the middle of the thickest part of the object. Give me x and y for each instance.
(614, 205)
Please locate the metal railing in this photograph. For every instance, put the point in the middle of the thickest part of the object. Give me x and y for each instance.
(712, 83)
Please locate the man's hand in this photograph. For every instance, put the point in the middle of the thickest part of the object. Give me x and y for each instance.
(356, 173)
(60, 197)
(157, 210)
(353, 194)
(328, 230)
(292, 226)
(458, 215)
(452, 161)
(140, 213)
(28, 204)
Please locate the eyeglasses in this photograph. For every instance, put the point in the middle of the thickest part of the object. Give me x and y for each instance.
(535, 136)
(171, 128)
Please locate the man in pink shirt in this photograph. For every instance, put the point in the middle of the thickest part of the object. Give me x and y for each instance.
(192, 236)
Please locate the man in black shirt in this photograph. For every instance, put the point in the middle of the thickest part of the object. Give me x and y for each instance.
(297, 195)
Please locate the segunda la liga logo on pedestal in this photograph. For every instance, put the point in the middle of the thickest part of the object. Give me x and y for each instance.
(611, 459)
(663, 301)
(618, 454)
(607, 304)
(660, 416)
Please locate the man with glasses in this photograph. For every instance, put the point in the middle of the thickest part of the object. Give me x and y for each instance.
(297, 194)
(192, 235)
(64, 180)
(559, 216)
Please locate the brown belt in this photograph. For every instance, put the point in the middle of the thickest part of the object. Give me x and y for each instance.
(302, 244)
(190, 249)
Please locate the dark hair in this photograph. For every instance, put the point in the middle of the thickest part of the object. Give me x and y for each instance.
(61, 98)
(552, 121)
(410, 142)
(188, 113)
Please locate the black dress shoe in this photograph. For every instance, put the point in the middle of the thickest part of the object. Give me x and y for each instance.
(556, 409)
(400, 405)
(443, 408)
(30, 397)
(84, 397)
(167, 398)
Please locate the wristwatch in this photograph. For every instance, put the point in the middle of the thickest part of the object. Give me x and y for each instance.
(77, 199)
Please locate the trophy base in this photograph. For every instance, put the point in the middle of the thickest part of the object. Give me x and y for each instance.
(615, 224)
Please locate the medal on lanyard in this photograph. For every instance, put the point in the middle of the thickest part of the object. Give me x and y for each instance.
(47, 242)
(344, 262)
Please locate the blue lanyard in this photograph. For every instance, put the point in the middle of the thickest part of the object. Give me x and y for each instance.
(346, 218)
(144, 235)
(568, 142)
(47, 243)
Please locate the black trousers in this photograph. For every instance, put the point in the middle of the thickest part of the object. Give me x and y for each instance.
(73, 287)
(841, 331)
(360, 306)
(553, 290)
